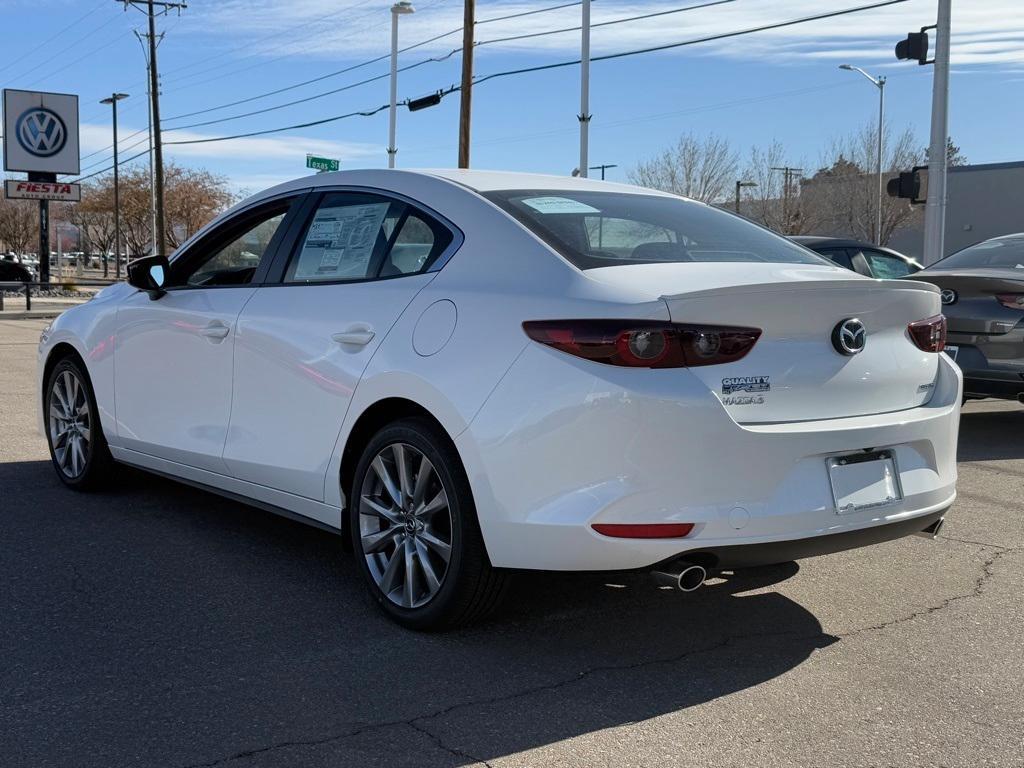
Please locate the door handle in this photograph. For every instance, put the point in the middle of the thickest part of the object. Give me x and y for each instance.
(359, 335)
(215, 331)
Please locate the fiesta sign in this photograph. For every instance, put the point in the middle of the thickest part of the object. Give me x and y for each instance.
(40, 132)
(42, 190)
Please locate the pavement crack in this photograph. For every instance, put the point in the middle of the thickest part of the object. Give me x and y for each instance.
(442, 745)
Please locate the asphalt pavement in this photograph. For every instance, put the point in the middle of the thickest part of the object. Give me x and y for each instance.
(157, 625)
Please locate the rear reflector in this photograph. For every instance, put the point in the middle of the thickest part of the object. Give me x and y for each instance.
(644, 531)
(645, 343)
(929, 334)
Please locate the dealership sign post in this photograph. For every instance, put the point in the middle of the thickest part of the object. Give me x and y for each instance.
(41, 139)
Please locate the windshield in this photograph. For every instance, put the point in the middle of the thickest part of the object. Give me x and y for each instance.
(603, 229)
(1004, 253)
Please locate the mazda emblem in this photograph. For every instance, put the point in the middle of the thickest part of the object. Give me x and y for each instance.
(41, 132)
(849, 337)
(948, 296)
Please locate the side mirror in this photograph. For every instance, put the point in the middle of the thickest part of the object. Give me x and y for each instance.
(149, 274)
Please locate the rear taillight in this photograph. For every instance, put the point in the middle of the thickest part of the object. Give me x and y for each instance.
(929, 334)
(1011, 300)
(645, 343)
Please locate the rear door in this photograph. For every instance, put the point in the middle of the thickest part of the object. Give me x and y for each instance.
(304, 340)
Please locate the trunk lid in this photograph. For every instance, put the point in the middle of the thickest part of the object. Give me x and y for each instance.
(974, 309)
(794, 372)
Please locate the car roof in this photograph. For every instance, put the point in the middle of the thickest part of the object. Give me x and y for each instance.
(475, 180)
(838, 242)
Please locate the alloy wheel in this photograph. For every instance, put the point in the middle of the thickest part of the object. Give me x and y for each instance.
(70, 423)
(405, 525)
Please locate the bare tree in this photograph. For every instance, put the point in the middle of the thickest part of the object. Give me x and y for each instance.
(192, 198)
(844, 193)
(18, 221)
(701, 169)
(777, 200)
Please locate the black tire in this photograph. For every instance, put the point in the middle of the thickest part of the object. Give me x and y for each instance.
(470, 588)
(93, 466)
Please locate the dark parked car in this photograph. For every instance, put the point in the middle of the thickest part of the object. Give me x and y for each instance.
(864, 258)
(11, 272)
(983, 301)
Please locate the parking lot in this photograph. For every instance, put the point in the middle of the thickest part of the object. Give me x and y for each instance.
(159, 625)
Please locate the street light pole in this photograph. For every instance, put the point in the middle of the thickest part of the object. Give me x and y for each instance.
(879, 83)
(112, 101)
(398, 9)
(584, 115)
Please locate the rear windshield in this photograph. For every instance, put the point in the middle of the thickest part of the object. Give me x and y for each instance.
(1005, 253)
(604, 229)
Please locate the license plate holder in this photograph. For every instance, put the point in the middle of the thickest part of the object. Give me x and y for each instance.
(864, 481)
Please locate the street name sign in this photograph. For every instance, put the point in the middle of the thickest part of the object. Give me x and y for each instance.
(42, 190)
(40, 132)
(322, 163)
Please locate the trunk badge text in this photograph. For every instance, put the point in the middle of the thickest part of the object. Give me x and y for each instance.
(849, 337)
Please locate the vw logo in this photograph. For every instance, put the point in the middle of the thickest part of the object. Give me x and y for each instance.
(948, 296)
(849, 337)
(41, 132)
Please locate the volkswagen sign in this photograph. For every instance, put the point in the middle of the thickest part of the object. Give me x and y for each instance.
(40, 132)
(849, 337)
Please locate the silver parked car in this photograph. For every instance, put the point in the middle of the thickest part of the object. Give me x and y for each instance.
(983, 300)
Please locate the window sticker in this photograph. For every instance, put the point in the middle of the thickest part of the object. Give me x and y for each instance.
(557, 205)
(340, 242)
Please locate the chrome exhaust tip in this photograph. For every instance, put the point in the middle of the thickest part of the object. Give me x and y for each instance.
(932, 530)
(689, 578)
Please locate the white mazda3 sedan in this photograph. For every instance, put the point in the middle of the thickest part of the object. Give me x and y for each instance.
(466, 373)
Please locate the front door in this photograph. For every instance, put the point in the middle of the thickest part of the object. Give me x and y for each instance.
(173, 356)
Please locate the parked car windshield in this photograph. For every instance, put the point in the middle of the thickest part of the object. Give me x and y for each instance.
(1004, 253)
(603, 229)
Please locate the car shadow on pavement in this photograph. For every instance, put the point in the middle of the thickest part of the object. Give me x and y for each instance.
(160, 625)
(992, 434)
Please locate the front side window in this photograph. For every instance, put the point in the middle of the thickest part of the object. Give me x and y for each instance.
(603, 229)
(1004, 253)
(355, 236)
(235, 261)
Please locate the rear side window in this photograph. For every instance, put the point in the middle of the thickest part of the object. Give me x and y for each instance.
(887, 266)
(1005, 253)
(602, 229)
(838, 255)
(354, 236)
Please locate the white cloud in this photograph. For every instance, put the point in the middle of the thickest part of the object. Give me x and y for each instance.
(360, 29)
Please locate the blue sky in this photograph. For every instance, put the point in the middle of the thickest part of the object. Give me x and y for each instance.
(783, 84)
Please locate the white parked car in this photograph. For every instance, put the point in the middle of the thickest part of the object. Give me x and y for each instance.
(469, 372)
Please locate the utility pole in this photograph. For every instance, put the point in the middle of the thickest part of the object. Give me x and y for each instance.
(935, 207)
(149, 135)
(151, 9)
(584, 115)
(789, 173)
(466, 91)
(602, 168)
(401, 8)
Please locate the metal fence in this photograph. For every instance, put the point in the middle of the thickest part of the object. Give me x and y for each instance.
(27, 288)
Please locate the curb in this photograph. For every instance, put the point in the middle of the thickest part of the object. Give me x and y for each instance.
(34, 314)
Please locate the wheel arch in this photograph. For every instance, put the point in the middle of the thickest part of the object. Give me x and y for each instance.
(374, 418)
(60, 351)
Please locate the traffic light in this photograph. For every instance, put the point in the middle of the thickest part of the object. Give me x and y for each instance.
(914, 47)
(907, 185)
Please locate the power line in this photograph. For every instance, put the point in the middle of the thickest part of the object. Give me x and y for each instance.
(53, 37)
(444, 57)
(366, 63)
(606, 57)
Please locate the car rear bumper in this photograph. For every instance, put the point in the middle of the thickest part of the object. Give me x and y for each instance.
(993, 366)
(562, 444)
